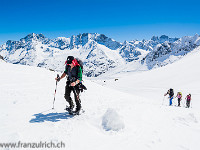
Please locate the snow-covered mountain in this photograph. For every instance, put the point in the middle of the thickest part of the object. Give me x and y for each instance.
(36, 50)
(168, 52)
(98, 52)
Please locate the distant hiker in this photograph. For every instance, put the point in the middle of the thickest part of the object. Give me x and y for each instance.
(188, 99)
(179, 96)
(73, 71)
(171, 95)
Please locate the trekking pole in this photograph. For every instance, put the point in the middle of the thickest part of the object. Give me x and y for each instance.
(55, 91)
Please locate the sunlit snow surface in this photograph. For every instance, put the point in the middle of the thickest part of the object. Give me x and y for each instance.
(136, 100)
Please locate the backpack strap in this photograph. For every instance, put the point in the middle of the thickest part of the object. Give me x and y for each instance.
(80, 73)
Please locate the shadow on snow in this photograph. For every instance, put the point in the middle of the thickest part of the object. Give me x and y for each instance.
(53, 117)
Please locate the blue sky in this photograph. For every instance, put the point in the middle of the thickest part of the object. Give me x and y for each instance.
(118, 19)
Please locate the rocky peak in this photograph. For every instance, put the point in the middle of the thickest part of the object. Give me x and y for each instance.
(127, 43)
(33, 36)
(196, 37)
(81, 39)
(163, 38)
(154, 38)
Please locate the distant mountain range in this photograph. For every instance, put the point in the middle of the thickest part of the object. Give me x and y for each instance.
(98, 52)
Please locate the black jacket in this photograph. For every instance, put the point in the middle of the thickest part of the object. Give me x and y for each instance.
(73, 74)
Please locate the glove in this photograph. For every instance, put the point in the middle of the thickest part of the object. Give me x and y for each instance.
(58, 79)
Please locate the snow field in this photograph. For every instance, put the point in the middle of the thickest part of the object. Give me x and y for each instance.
(134, 100)
(26, 114)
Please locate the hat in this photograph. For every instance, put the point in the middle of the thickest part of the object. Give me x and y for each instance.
(70, 59)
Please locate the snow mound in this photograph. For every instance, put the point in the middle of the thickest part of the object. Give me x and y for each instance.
(112, 121)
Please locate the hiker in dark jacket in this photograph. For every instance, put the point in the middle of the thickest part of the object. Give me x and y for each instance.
(74, 77)
(188, 99)
(171, 95)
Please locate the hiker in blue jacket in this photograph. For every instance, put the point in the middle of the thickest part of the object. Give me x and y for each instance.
(171, 95)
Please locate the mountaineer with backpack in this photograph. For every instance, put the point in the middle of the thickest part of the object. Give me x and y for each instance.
(73, 70)
(171, 95)
(179, 96)
(188, 99)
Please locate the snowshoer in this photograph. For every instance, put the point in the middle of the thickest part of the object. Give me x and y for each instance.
(179, 96)
(188, 99)
(74, 77)
(171, 95)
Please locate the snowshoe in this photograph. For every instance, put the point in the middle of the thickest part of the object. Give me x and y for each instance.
(69, 110)
(77, 112)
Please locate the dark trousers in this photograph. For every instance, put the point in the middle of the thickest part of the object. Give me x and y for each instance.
(179, 100)
(76, 91)
(188, 103)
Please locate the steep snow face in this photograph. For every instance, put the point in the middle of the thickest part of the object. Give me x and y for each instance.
(167, 52)
(60, 42)
(129, 52)
(24, 51)
(82, 39)
(99, 53)
(108, 42)
(101, 59)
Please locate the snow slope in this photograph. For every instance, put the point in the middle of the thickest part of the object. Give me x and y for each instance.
(182, 75)
(123, 114)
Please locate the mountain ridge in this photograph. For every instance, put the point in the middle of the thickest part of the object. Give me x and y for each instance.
(98, 52)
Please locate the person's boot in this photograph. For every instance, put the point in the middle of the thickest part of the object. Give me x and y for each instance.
(78, 108)
(71, 107)
(71, 104)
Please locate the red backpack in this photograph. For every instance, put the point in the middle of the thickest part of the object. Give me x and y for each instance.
(77, 62)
